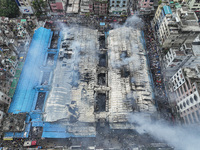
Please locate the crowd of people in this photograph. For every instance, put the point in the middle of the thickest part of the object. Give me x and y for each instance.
(155, 67)
(92, 22)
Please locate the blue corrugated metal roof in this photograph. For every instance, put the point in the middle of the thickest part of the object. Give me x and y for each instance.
(37, 123)
(53, 127)
(167, 10)
(61, 135)
(55, 130)
(25, 92)
(23, 134)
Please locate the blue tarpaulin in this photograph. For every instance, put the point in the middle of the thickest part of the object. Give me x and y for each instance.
(158, 71)
(25, 92)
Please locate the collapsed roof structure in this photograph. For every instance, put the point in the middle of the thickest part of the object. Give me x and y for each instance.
(128, 77)
(82, 79)
(92, 83)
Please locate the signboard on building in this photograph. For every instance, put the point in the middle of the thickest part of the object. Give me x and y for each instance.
(26, 10)
(7, 138)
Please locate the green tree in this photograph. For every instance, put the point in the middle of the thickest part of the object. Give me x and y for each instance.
(8, 8)
(13, 58)
(38, 5)
(160, 2)
(87, 14)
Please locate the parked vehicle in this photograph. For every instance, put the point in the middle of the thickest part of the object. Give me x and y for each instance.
(30, 143)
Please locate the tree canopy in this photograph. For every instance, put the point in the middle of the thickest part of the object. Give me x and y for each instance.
(38, 5)
(8, 8)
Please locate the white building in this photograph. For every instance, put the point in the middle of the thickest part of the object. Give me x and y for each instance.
(185, 86)
(175, 26)
(84, 6)
(73, 7)
(185, 56)
(194, 4)
(25, 6)
(119, 7)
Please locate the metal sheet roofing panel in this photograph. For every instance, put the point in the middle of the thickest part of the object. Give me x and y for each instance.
(25, 92)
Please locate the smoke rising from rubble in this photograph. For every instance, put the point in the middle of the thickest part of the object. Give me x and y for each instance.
(74, 54)
(180, 137)
(77, 49)
(133, 22)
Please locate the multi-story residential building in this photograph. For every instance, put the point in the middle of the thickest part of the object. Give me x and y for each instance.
(25, 6)
(184, 91)
(4, 98)
(145, 6)
(175, 26)
(85, 6)
(185, 56)
(58, 7)
(119, 7)
(194, 5)
(100, 7)
(72, 7)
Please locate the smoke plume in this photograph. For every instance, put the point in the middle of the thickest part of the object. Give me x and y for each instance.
(180, 137)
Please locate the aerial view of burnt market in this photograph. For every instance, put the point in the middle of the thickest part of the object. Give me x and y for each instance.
(100, 74)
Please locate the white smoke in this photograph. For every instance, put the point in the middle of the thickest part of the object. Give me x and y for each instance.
(132, 21)
(180, 137)
(125, 39)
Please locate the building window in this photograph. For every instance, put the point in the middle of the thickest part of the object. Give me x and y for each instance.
(187, 102)
(113, 1)
(184, 104)
(118, 2)
(195, 97)
(181, 106)
(191, 100)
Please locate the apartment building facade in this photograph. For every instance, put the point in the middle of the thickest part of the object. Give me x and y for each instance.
(185, 56)
(194, 5)
(25, 6)
(175, 26)
(185, 86)
(72, 7)
(58, 7)
(119, 7)
(145, 6)
(100, 7)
